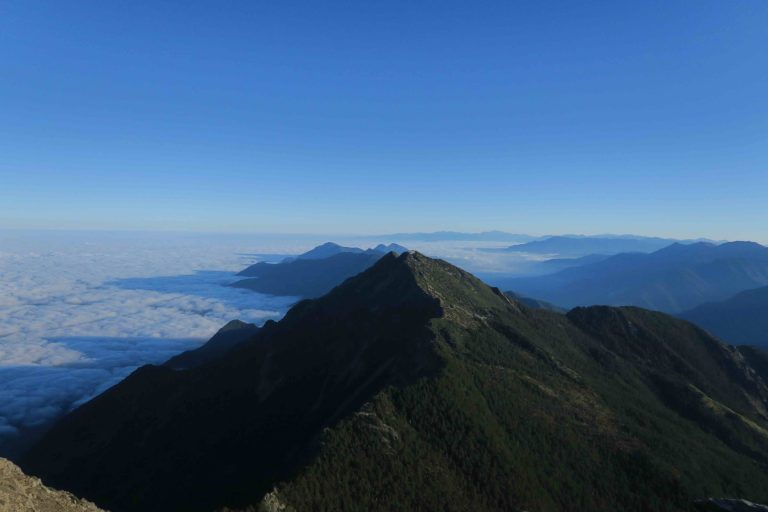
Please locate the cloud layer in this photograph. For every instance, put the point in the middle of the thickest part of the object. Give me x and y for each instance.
(79, 314)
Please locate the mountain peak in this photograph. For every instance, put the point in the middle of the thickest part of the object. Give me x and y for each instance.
(683, 248)
(391, 281)
(384, 248)
(741, 248)
(413, 283)
(435, 277)
(326, 250)
(233, 325)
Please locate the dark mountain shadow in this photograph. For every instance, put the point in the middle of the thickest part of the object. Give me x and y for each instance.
(199, 283)
(211, 284)
(265, 257)
(34, 397)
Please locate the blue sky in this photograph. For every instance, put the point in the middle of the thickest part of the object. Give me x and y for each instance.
(344, 117)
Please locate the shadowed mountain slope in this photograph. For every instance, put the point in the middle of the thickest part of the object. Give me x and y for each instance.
(226, 339)
(673, 279)
(414, 386)
(757, 358)
(741, 319)
(313, 273)
(306, 278)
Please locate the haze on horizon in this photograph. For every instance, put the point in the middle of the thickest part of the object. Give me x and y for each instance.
(349, 117)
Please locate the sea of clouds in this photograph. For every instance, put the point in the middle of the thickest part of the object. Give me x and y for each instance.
(79, 312)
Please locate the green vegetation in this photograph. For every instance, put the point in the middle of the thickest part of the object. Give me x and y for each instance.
(414, 386)
(508, 426)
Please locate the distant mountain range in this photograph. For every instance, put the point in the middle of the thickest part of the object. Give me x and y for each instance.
(557, 264)
(415, 386)
(313, 273)
(563, 245)
(673, 279)
(457, 236)
(329, 249)
(578, 246)
(741, 319)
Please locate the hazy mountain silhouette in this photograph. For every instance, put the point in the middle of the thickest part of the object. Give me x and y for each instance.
(557, 264)
(673, 279)
(457, 236)
(741, 319)
(329, 249)
(578, 246)
(313, 273)
(414, 386)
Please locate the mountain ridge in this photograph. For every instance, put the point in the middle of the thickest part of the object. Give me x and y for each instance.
(415, 385)
(313, 273)
(673, 279)
(741, 319)
(579, 246)
(234, 333)
(328, 249)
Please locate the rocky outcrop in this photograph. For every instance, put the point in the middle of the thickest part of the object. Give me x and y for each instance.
(22, 493)
(272, 502)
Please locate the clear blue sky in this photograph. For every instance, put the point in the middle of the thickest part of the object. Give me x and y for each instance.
(343, 117)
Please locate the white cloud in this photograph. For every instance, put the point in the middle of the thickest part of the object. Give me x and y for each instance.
(78, 313)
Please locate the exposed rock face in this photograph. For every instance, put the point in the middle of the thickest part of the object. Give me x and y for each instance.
(22, 493)
(273, 503)
(729, 505)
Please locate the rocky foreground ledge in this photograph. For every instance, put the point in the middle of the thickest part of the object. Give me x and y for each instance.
(22, 493)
